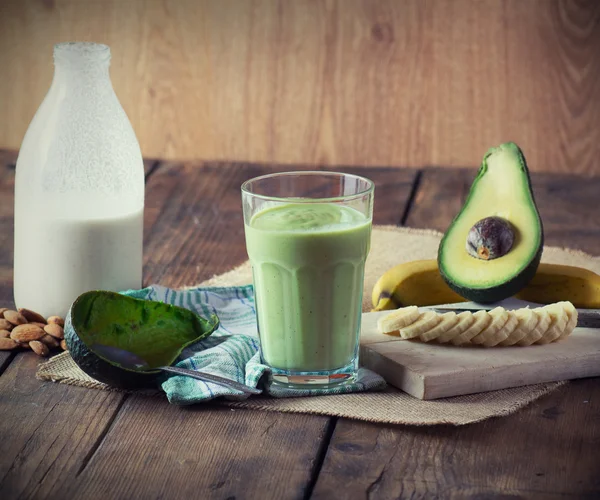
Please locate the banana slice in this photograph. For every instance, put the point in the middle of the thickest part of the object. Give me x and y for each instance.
(527, 321)
(538, 332)
(482, 320)
(502, 325)
(448, 321)
(465, 320)
(572, 322)
(426, 321)
(558, 324)
(398, 319)
(497, 327)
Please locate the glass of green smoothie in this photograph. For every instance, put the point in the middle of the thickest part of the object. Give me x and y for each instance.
(307, 236)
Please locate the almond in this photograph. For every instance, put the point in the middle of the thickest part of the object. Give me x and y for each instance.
(39, 348)
(26, 333)
(2, 309)
(24, 345)
(56, 320)
(37, 323)
(32, 316)
(4, 334)
(16, 318)
(5, 324)
(55, 330)
(50, 341)
(63, 344)
(7, 344)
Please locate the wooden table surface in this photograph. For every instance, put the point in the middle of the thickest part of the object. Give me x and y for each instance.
(63, 442)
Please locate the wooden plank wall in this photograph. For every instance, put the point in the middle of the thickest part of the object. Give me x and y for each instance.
(348, 82)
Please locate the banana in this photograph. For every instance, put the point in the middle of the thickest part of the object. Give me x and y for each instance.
(502, 325)
(572, 322)
(398, 319)
(419, 283)
(426, 321)
(497, 327)
(448, 320)
(556, 283)
(559, 319)
(416, 283)
(540, 329)
(527, 321)
(465, 320)
(482, 320)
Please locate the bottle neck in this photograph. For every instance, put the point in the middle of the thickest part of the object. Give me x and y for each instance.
(81, 61)
(96, 73)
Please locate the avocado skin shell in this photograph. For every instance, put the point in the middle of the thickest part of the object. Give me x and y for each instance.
(102, 370)
(105, 372)
(516, 283)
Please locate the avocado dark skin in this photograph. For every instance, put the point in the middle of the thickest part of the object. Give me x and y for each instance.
(503, 291)
(501, 194)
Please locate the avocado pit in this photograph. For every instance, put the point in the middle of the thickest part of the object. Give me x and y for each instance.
(490, 238)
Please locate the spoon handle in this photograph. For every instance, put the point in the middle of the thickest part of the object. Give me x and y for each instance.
(209, 377)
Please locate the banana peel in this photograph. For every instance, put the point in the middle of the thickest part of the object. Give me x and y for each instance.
(419, 283)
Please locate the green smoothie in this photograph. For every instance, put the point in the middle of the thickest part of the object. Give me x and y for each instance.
(308, 267)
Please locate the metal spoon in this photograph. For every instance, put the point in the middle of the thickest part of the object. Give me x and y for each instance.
(132, 361)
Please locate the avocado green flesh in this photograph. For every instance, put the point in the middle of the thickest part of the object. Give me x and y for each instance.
(153, 331)
(502, 188)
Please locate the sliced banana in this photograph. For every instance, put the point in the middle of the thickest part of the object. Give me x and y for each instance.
(482, 320)
(398, 319)
(501, 335)
(497, 327)
(448, 320)
(558, 324)
(465, 320)
(527, 321)
(572, 323)
(540, 329)
(426, 321)
(502, 325)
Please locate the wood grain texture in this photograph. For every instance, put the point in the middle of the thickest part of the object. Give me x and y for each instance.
(439, 196)
(156, 450)
(355, 82)
(568, 205)
(47, 430)
(193, 218)
(546, 450)
(152, 448)
(7, 186)
(570, 211)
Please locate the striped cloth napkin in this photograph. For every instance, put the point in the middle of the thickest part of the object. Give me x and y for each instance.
(232, 351)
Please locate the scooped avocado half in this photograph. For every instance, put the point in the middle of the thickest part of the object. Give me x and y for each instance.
(101, 322)
(493, 246)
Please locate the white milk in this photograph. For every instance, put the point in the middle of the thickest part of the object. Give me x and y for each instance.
(59, 259)
(79, 189)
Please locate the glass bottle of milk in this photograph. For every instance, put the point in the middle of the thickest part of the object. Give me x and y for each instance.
(79, 189)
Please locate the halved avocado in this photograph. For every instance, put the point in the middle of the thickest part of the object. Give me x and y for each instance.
(500, 192)
(153, 331)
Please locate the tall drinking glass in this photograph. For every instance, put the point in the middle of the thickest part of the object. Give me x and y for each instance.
(307, 236)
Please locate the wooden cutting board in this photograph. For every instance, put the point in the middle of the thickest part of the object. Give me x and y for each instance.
(431, 371)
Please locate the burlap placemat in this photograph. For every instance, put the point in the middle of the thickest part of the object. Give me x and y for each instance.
(390, 245)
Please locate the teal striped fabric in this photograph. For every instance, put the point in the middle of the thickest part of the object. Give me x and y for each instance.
(233, 350)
